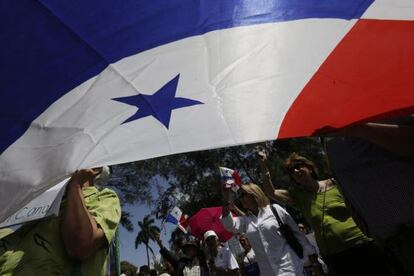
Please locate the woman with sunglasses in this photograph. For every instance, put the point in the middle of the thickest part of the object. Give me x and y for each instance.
(344, 247)
(273, 253)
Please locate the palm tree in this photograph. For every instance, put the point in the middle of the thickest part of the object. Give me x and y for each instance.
(147, 233)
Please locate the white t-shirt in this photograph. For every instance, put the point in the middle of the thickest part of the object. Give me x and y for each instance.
(225, 259)
(192, 271)
(274, 256)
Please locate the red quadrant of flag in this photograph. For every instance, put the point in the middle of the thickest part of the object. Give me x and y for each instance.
(370, 72)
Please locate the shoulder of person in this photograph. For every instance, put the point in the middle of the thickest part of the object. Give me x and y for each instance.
(107, 191)
(107, 194)
(280, 211)
(277, 207)
(104, 201)
(330, 183)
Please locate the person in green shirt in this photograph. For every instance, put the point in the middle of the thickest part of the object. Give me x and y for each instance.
(74, 243)
(345, 249)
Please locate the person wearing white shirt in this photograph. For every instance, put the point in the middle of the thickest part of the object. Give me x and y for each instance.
(273, 253)
(223, 263)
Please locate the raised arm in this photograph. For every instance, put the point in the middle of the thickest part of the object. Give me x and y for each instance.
(395, 138)
(280, 195)
(165, 253)
(81, 235)
(235, 225)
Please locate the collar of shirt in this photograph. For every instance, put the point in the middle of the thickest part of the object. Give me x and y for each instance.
(263, 214)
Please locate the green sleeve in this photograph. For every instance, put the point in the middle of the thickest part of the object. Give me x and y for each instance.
(106, 211)
(5, 232)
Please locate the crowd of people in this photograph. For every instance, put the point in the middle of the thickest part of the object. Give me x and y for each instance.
(274, 244)
(343, 241)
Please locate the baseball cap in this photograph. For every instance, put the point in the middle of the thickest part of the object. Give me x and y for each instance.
(209, 233)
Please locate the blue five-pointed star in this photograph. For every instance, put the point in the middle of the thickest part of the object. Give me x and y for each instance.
(159, 105)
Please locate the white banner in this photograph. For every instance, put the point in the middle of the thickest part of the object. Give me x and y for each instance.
(45, 205)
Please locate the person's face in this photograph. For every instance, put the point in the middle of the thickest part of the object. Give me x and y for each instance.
(143, 273)
(247, 200)
(190, 251)
(300, 172)
(212, 242)
(168, 266)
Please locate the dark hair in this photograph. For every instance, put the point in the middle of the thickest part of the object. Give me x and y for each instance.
(144, 268)
(153, 272)
(296, 158)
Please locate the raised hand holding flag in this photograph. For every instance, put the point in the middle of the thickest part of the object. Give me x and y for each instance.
(230, 179)
(177, 217)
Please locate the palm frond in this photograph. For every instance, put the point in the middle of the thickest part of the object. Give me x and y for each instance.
(138, 240)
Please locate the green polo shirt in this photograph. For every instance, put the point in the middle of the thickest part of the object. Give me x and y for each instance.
(37, 248)
(335, 230)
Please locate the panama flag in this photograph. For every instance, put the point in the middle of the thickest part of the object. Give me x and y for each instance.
(92, 83)
(177, 217)
(230, 178)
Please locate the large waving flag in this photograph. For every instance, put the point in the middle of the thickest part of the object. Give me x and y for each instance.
(90, 83)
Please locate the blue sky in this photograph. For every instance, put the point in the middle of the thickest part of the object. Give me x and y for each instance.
(138, 256)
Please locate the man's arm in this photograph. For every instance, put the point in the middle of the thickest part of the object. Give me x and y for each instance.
(165, 253)
(232, 224)
(80, 232)
(395, 138)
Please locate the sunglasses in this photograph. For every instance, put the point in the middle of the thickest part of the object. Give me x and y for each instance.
(295, 166)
